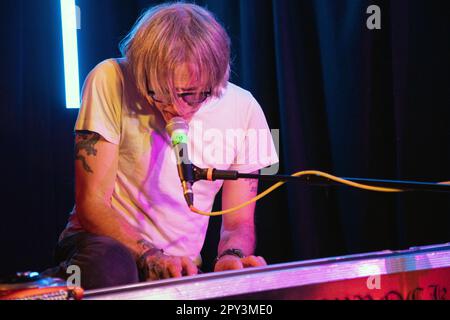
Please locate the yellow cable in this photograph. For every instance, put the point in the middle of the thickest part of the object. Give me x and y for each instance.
(279, 184)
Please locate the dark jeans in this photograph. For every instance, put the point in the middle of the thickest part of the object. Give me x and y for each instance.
(103, 261)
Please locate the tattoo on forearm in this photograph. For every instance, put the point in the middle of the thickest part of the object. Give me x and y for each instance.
(87, 143)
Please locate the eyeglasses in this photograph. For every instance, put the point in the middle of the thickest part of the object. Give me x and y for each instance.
(191, 98)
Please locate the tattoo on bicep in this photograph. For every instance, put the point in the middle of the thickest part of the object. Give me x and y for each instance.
(87, 143)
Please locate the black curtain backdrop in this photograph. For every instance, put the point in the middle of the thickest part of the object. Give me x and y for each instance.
(348, 100)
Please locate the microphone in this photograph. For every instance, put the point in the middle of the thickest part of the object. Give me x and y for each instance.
(177, 129)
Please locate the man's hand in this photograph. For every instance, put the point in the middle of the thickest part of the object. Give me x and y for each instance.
(161, 266)
(230, 262)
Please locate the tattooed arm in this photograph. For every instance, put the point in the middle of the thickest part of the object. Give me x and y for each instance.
(96, 163)
(238, 228)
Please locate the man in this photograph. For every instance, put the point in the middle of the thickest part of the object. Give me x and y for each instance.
(130, 222)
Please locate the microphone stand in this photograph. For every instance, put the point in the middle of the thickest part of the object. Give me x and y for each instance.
(316, 180)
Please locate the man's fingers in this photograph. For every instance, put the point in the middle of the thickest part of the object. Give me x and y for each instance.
(189, 268)
(253, 261)
(250, 261)
(263, 261)
(156, 272)
(228, 263)
(174, 268)
(166, 267)
(153, 274)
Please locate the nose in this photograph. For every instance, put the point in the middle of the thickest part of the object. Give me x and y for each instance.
(172, 112)
(178, 109)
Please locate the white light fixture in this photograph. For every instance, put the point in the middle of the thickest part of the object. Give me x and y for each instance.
(70, 45)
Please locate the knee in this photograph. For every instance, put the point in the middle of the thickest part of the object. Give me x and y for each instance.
(104, 262)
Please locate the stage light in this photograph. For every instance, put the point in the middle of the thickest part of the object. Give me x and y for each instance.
(70, 45)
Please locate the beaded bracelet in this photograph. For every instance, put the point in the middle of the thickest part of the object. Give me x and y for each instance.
(230, 252)
(142, 264)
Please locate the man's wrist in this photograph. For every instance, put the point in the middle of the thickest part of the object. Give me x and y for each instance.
(143, 246)
(142, 261)
(230, 252)
(146, 250)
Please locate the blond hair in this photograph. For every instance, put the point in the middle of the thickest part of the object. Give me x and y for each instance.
(171, 34)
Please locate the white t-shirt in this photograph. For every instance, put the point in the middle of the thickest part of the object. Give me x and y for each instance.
(147, 191)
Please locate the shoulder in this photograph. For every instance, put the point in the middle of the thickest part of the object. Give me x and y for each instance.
(242, 99)
(106, 72)
(240, 94)
(105, 76)
(107, 66)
